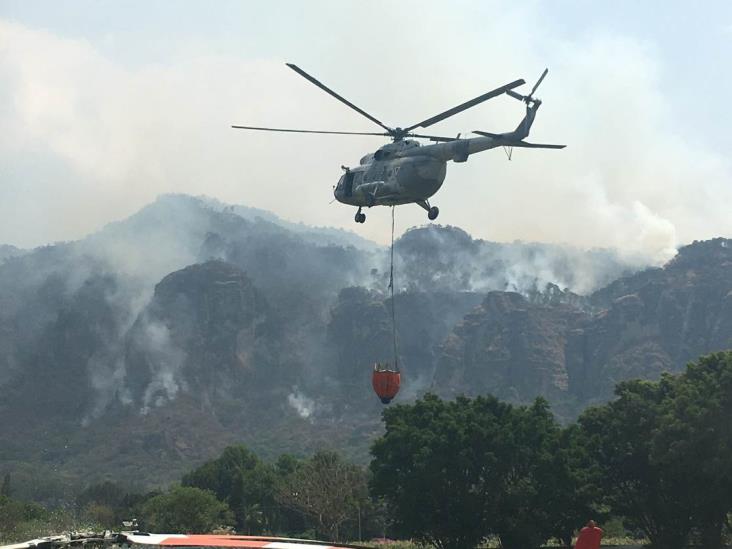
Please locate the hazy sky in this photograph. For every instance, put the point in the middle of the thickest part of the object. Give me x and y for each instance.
(104, 105)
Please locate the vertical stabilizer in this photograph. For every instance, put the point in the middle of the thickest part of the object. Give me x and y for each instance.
(532, 105)
(523, 129)
(515, 138)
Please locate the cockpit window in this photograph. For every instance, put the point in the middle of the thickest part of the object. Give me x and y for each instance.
(348, 183)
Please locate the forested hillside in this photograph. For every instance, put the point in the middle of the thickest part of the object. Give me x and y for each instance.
(151, 345)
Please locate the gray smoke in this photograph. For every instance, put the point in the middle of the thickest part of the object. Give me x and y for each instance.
(435, 258)
(166, 362)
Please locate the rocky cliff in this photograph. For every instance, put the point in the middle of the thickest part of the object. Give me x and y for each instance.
(637, 327)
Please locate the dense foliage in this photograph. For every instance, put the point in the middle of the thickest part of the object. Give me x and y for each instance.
(659, 456)
(245, 483)
(457, 472)
(664, 453)
(656, 460)
(186, 509)
(324, 496)
(327, 491)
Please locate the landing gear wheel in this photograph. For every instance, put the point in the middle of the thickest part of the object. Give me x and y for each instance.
(432, 213)
(360, 217)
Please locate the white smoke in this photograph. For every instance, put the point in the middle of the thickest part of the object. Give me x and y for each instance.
(302, 404)
(106, 138)
(107, 376)
(446, 258)
(166, 361)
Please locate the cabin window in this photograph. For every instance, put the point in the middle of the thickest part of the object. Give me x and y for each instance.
(348, 184)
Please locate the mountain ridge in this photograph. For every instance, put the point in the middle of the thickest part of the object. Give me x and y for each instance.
(162, 338)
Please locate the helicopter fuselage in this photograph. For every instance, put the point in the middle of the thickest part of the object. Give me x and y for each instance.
(391, 182)
(404, 172)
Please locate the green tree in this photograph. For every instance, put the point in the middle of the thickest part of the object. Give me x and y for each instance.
(635, 483)
(14, 513)
(102, 515)
(455, 472)
(694, 442)
(532, 484)
(440, 466)
(106, 493)
(327, 490)
(108, 503)
(245, 483)
(575, 492)
(185, 509)
(287, 520)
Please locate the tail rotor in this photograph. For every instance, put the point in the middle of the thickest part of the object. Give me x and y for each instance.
(515, 138)
(529, 98)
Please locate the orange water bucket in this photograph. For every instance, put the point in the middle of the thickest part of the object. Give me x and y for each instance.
(385, 382)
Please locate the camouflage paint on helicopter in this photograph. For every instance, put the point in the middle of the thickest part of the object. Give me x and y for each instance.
(404, 171)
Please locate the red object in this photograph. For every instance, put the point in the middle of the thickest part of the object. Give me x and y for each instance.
(589, 538)
(385, 383)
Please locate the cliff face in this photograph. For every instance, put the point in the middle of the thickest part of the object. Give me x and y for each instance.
(509, 347)
(360, 332)
(204, 332)
(637, 327)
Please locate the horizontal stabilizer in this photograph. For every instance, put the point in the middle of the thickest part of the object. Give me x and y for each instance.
(534, 145)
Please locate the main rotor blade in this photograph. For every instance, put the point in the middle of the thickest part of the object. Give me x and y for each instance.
(466, 105)
(326, 89)
(543, 74)
(382, 134)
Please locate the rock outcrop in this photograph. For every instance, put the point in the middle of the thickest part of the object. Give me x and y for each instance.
(638, 327)
(201, 334)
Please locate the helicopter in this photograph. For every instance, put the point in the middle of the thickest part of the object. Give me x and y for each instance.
(405, 171)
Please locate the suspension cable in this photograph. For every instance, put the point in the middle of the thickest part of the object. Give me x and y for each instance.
(391, 288)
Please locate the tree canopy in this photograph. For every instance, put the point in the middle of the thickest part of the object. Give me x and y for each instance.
(659, 455)
(246, 483)
(326, 489)
(456, 472)
(185, 509)
(664, 450)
